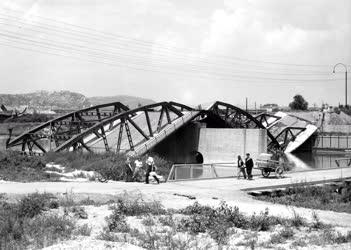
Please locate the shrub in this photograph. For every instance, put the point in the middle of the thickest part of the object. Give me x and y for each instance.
(33, 204)
(215, 221)
(87, 202)
(148, 221)
(167, 220)
(297, 220)
(84, 230)
(23, 226)
(47, 230)
(316, 222)
(116, 222)
(11, 230)
(299, 243)
(134, 206)
(263, 221)
(17, 167)
(315, 197)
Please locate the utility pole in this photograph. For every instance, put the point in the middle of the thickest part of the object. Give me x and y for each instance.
(246, 104)
(255, 109)
(345, 80)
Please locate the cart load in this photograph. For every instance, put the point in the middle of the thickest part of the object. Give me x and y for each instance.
(265, 163)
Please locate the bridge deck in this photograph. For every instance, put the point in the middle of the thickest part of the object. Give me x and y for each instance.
(139, 141)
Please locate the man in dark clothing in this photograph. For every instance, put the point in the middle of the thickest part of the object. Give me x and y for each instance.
(249, 165)
(128, 171)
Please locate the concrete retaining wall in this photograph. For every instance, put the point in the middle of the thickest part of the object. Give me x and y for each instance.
(223, 145)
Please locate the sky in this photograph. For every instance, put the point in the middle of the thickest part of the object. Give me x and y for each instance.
(189, 51)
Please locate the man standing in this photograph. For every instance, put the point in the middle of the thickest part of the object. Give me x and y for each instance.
(128, 172)
(150, 168)
(249, 165)
(241, 167)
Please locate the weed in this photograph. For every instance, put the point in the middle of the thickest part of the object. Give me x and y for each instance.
(282, 236)
(167, 220)
(40, 231)
(33, 204)
(116, 222)
(315, 197)
(299, 243)
(134, 206)
(79, 212)
(262, 221)
(17, 167)
(316, 222)
(297, 221)
(84, 230)
(87, 202)
(249, 241)
(148, 221)
(67, 200)
(47, 230)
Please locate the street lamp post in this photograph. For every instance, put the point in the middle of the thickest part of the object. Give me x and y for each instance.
(345, 80)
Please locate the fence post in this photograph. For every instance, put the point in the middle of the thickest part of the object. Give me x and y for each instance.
(214, 171)
(330, 144)
(338, 141)
(191, 171)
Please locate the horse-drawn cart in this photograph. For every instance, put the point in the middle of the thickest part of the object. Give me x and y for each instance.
(267, 166)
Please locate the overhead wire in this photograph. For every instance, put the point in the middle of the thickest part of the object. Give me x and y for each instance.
(158, 71)
(111, 58)
(185, 60)
(151, 43)
(105, 53)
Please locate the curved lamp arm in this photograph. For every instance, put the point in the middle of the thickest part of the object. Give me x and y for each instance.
(339, 64)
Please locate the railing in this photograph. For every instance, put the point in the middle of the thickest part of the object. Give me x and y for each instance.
(202, 171)
(333, 142)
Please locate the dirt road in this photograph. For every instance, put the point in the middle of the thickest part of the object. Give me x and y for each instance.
(212, 192)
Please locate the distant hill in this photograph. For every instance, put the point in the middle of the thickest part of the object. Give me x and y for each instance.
(65, 100)
(46, 100)
(130, 101)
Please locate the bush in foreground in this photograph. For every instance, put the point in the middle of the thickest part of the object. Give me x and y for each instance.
(17, 167)
(315, 197)
(23, 224)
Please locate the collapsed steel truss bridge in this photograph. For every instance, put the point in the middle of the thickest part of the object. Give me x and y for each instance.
(113, 127)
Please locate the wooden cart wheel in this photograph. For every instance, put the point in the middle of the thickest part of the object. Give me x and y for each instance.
(279, 171)
(265, 172)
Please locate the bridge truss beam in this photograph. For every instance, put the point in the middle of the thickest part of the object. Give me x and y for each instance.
(136, 124)
(235, 117)
(57, 131)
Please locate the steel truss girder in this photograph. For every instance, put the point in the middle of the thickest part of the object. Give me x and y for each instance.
(288, 135)
(235, 117)
(125, 119)
(63, 128)
(263, 119)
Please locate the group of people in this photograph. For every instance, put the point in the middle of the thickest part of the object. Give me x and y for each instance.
(245, 168)
(136, 173)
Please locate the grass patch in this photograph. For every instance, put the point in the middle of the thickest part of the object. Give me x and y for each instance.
(219, 221)
(110, 166)
(135, 206)
(84, 230)
(282, 236)
(315, 197)
(24, 225)
(17, 167)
